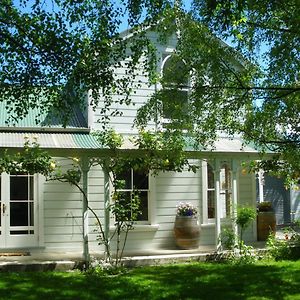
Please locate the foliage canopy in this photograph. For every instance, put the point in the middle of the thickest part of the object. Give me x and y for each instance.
(52, 52)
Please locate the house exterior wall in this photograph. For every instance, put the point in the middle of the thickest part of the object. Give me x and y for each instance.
(62, 210)
(142, 91)
(295, 203)
(247, 197)
(62, 216)
(280, 197)
(62, 203)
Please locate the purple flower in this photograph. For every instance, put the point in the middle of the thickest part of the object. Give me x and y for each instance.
(186, 209)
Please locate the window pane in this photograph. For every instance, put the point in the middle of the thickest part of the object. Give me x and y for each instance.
(21, 232)
(175, 103)
(211, 204)
(210, 177)
(124, 180)
(175, 71)
(143, 206)
(19, 188)
(31, 214)
(140, 184)
(140, 180)
(225, 177)
(18, 214)
(31, 188)
(123, 209)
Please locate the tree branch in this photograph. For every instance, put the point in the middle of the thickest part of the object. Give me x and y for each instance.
(280, 29)
(249, 88)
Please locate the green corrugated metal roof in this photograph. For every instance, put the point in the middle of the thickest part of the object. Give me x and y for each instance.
(37, 118)
(49, 140)
(48, 132)
(73, 137)
(224, 144)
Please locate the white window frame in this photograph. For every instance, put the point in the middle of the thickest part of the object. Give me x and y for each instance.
(226, 191)
(205, 190)
(149, 224)
(164, 58)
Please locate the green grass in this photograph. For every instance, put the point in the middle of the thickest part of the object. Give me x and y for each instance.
(264, 280)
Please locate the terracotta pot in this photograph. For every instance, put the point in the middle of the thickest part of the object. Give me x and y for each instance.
(266, 223)
(186, 232)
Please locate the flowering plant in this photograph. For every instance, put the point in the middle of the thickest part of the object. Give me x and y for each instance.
(186, 209)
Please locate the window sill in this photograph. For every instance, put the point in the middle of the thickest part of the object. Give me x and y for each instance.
(141, 227)
(212, 223)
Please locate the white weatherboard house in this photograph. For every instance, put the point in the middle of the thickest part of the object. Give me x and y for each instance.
(49, 216)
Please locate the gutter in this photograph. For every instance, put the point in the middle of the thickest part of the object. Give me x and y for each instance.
(46, 129)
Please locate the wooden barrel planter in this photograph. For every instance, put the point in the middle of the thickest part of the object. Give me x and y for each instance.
(187, 232)
(266, 223)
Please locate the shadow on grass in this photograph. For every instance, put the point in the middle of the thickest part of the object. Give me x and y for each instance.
(189, 281)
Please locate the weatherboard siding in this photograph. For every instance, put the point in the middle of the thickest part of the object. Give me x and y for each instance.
(62, 216)
(63, 211)
(63, 203)
(123, 122)
(247, 197)
(141, 92)
(96, 202)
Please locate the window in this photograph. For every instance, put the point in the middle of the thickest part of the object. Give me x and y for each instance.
(175, 72)
(225, 191)
(175, 85)
(210, 192)
(133, 183)
(21, 204)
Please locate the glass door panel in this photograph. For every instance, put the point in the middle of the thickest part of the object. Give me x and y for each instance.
(21, 205)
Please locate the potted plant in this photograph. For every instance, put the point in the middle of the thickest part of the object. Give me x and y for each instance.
(266, 220)
(264, 206)
(186, 227)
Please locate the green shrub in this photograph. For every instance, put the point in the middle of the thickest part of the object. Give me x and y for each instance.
(288, 249)
(228, 239)
(246, 254)
(245, 215)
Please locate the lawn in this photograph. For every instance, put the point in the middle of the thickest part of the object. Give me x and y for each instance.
(264, 280)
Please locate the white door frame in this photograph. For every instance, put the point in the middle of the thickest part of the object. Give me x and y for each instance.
(17, 241)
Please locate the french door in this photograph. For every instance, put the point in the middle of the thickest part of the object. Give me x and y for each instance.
(18, 216)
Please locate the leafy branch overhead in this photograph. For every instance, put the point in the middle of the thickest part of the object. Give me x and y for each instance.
(53, 53)
(153, 152)
(30, 160)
